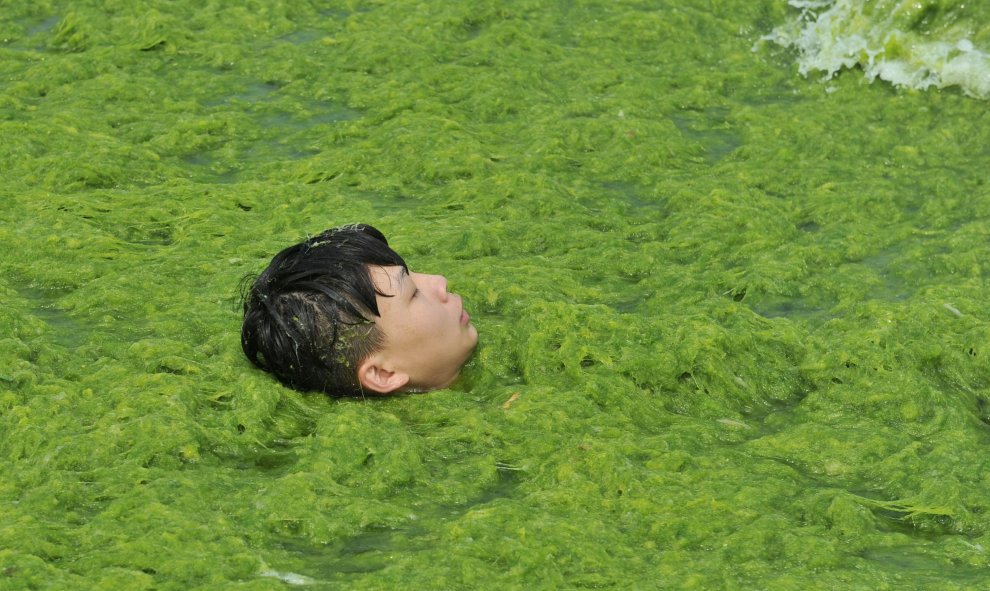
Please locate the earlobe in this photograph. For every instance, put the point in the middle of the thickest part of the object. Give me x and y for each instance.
(376, 378)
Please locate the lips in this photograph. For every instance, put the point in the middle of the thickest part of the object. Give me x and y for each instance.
(465, 317)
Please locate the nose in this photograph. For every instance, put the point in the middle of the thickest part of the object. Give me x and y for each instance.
(442, 288)
(436, 283)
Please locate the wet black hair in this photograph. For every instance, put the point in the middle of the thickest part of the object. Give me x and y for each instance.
(309, 316)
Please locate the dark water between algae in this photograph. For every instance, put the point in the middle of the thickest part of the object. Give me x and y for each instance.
(734, 324)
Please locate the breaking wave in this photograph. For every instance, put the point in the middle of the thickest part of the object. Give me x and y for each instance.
(910, 43)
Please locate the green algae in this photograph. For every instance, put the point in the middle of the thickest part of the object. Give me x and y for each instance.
(734, 332)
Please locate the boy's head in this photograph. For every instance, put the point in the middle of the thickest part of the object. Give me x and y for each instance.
(342, 313)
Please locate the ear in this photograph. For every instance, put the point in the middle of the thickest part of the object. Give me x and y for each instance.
(373, 376)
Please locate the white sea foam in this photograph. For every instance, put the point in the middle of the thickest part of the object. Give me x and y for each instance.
(290, 578)
(830, 35)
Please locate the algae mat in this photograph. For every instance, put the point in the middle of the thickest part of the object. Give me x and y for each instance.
(734, 325)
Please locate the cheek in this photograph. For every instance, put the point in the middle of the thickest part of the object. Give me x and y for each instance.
(423, 324)
(431, 318)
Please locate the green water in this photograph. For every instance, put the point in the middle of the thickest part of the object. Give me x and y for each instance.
(734, 332)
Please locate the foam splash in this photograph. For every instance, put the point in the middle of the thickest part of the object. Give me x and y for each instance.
(915, 44)
(287, 577)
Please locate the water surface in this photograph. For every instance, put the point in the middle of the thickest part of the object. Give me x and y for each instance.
(734, 332)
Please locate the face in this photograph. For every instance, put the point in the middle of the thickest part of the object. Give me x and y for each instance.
(428, 334)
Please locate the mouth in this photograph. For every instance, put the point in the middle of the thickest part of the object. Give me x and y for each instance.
(465, 317)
